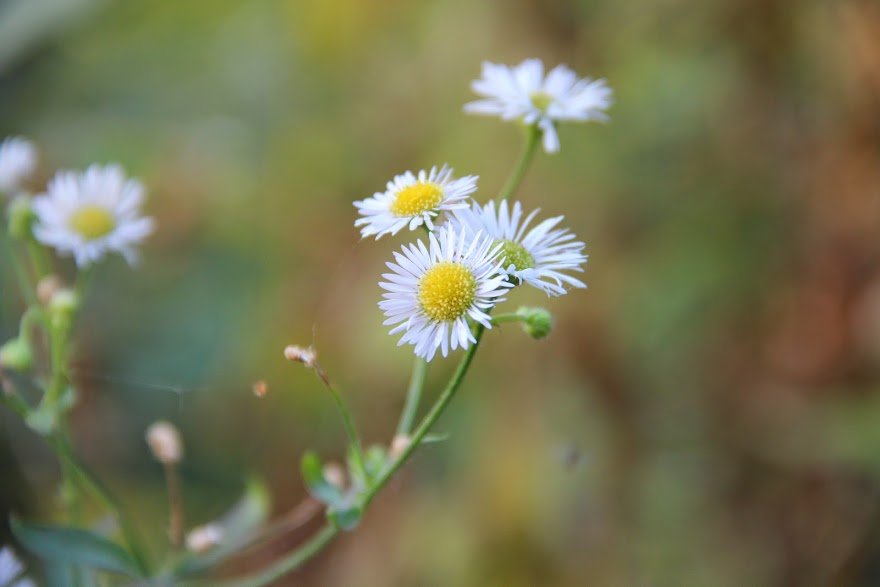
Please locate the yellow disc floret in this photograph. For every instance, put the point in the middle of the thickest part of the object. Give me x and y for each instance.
(416, 199)
(446, 291)
(92, 222)
(541, 100)
(513, 253)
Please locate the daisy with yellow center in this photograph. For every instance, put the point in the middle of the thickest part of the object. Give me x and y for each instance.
(92, 213)
(434, 291)
(541, 256)
(411, 200)
(523, 92)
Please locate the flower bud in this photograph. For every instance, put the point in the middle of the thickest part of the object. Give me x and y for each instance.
(398, 445)
(306, 356)
(203, 538)
(63, 307)
(16, 354)
(48, 287)
(21, 217)
(164, 441)
(334, 474)
(537, 322)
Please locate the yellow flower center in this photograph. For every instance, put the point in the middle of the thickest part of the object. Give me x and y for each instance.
(92, 222)
(516, 254)
(417, 198)
(541, 100)
(446, 291)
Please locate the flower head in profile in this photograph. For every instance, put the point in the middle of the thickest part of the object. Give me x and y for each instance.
(524, 93)
(11, 570)
(539, 256)
(18, 160)
(433, 290)
(412, 200)
(92, 213)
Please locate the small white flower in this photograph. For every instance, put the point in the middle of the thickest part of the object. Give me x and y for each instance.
(412, 200)
(537, 256)
(18, 160)
(11, 569)
(201, 539)
(165, 443)
(91, 213)
(524, 93)
(433, 290)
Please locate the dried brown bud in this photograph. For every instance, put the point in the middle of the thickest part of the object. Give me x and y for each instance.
(260, 388)
(165, 443)
(306, 356)
(203, 538)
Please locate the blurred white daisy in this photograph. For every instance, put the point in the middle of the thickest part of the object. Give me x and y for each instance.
(11, 569)
(433, 290)
(523, 93)
(92, 213)
(18, 160)
(537, 256)
(412, 200)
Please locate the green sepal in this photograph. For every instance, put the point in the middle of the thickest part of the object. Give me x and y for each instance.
(345, 518)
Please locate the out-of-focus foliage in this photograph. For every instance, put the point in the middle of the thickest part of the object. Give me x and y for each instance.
(707, 413)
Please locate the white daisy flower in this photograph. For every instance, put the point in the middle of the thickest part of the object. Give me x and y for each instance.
(91, 213)
(433, 290)
(537, 256)
(11, 569)
(524, 93)
(412, 200)
(18, 160)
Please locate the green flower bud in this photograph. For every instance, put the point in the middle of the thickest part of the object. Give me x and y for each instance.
(63, 307)
(21, 217)
(16, 354)
(537, 322)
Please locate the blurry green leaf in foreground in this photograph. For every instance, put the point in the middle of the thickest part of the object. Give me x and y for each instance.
(74, 546)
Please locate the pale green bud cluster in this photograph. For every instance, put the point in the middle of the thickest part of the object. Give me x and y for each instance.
(537, 322)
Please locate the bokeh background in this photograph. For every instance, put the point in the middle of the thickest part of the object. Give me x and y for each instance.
(706, 413)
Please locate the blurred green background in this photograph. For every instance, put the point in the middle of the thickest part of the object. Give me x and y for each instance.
(706, 413)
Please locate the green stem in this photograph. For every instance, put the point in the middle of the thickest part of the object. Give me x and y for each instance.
(413, 396)
(522, 164)
(304, 553)
(347, 423)
(509, 317)
(91, 482)
(21, 274)
(40, 259)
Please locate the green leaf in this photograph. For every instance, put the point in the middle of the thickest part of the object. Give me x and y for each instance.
(346, 518)
(238, 526)
(435, 438)
(318, 486)
(74, 546)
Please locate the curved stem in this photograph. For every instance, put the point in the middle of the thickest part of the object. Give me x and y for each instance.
(347, 422)
(522, 164)
(413, 396)
(317, 543)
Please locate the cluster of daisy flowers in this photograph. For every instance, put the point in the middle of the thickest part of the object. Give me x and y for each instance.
(85, 214)
(439, 291)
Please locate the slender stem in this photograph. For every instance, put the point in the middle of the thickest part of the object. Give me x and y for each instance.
(175, 506)
(308, 550)
(21, 274)
(430, 418)
(525, 158)
(347, 422)
(413, 396)
(39, 257)
(508, 317)
(101, 493)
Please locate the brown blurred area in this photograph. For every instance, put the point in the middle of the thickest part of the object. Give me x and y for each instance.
(706, 413)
